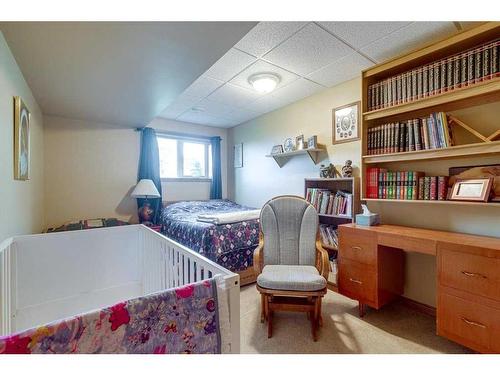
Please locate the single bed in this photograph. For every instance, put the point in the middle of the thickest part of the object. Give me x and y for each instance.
(229, 245)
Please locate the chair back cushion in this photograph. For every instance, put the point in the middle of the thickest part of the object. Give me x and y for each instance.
(289, 225)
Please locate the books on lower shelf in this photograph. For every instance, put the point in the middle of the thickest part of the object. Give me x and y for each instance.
(327, 202)
(463, 69)
(405, 185)
(333, 272)
(329, 235)
(427, 133)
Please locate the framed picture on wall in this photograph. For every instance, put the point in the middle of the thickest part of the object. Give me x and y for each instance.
(346, 122)
(238, 155)
(22, 119)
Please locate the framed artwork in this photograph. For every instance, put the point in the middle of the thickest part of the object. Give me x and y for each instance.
(289, 145)
(277, 149)
(312, 142)
(472, 189)
(22, 119)
(478, 171)
(299, 142)
(238, 155)
(346, 123)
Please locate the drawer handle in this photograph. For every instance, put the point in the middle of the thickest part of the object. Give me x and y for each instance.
(473, 274)
(472, 323)
(356, 248)
(355, 281)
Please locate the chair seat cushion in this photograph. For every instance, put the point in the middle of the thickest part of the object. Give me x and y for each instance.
(302, 278)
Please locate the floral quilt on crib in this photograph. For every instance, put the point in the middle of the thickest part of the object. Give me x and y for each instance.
(181, 320)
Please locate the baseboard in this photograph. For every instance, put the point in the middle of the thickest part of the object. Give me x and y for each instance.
(418, 306)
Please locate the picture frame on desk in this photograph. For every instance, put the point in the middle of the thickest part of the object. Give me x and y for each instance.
(472, 189)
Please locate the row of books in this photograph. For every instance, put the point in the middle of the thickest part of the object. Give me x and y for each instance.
(460, 70)
(329, 235)
(329, 203)
(417, 134)
(405, 185)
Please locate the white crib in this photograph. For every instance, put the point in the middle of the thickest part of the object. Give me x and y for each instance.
(46, 277)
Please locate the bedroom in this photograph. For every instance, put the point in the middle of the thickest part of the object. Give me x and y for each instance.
(201, 130)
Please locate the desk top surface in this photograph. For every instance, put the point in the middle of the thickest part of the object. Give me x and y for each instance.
(432, 235)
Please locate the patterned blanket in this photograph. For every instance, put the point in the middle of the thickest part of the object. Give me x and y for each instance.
(180, 320)
(230, 245)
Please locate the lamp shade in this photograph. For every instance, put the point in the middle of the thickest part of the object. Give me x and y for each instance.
(145, 189)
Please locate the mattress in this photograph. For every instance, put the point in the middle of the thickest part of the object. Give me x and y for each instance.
(230, 245)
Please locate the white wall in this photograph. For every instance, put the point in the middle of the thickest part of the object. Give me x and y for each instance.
(92, 168)
(21, 201)
(260, 178)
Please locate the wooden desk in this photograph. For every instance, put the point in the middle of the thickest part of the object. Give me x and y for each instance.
(371, 270)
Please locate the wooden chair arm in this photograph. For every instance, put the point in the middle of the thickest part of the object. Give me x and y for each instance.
(258, 256)
(322, 260)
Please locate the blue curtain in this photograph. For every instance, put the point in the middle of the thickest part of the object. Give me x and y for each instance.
(216, 186)
(149, 167)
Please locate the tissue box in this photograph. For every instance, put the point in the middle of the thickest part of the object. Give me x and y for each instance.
(367, 220)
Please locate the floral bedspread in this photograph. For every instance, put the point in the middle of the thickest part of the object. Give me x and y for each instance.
(230, 245)
(181, 320)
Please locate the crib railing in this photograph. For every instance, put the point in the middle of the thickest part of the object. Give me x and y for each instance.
(6, 277)
(169, 264)
(52, 276)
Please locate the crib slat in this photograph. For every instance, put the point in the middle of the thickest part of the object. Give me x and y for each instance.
(191, 271)
(185, 275)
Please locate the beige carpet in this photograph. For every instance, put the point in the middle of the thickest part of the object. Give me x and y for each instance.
(393, 329)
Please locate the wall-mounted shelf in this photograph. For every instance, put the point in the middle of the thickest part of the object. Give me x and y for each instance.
(282, 158)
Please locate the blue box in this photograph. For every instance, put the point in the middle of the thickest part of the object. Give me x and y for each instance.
(368, 220)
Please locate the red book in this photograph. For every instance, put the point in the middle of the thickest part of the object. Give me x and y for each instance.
(433, 188)
(372, 184)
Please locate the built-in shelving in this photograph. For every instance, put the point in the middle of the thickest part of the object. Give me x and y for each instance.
(441, 153)
(282, 158)
(475, 146)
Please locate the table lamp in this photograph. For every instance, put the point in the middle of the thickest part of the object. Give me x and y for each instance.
(145, 189)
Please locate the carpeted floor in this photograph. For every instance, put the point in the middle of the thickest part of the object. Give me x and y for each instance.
(393, 329)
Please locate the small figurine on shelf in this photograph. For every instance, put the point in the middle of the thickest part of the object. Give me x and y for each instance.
(328, 172)
(347, 169)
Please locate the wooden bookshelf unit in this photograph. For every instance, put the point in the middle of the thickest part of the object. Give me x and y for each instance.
(476, 145)
(348, 184)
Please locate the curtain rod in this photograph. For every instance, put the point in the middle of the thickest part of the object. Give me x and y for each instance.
(179, 134)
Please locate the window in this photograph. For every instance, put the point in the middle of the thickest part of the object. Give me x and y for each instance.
(183, 157)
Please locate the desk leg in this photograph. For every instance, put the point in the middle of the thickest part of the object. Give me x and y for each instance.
(361, 309)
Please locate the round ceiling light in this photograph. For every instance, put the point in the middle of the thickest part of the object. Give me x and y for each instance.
(264, 82)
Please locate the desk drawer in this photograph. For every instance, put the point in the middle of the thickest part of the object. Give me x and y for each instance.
(357, 281)
(469, 323)
(358, 245)
(471, 273)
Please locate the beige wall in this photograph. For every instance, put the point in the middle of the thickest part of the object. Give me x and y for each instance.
(92, 168)
(261, 178)
(22, 201)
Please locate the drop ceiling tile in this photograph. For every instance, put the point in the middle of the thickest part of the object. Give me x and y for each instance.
(359, 34)
(233, 62)
(202, 87)
(404, 40)
(267, 35)
(213, 108)
(234, 95)
(295, 91)
(308, 50)
(205, 119)
(242, 115)
(179, 106)
(261, 66)
(342, 70)
(263, 105)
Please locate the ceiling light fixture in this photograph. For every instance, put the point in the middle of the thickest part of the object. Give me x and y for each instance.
(264, 82)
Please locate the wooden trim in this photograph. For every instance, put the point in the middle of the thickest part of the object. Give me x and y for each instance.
(417, 306)
(247, 276)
